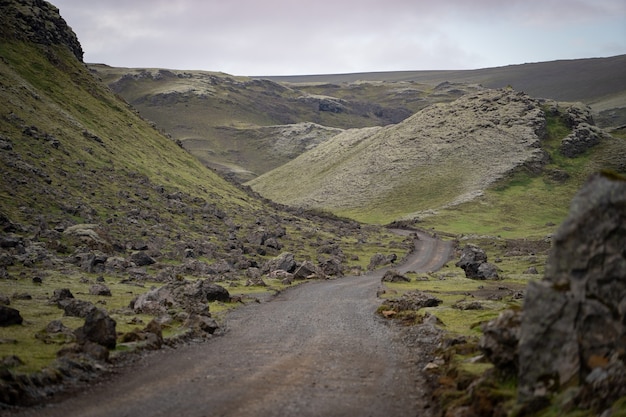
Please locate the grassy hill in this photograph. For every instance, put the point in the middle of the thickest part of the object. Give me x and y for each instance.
(87, 184)
(490, 161)
(235, 124)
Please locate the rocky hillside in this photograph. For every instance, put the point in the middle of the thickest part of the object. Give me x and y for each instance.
(230, 123)
(442, 156)
(97, 206)
(238, 125)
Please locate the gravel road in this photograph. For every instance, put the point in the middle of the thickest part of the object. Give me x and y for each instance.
(317, 349)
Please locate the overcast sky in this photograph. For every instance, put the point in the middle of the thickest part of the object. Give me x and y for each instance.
(293, 37)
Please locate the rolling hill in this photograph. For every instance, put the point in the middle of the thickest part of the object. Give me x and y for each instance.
(443, 157)
(236, 124)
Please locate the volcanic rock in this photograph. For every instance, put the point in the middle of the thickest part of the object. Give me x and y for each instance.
(9, 316)
(99, 328)
(394, 276)
(474, 262)
(574, 319)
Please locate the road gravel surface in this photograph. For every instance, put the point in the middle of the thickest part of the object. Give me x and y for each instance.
(317, 349)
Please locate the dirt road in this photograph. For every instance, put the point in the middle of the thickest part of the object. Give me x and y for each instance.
(315, 350)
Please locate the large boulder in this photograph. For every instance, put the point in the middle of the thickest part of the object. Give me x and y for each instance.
(9, 316)
(573, 330)
(99, 328)
(474, 262)
(191, 296)
(412, 300)
(283, 262)
(74, 307)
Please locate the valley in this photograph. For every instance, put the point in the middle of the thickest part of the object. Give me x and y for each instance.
(375, 243)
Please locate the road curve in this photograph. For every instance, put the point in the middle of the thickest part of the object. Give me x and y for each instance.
(315, 350)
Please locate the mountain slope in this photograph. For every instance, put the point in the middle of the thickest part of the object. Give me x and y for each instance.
(233, 124)
(441, 157)
(92, 193)
(598, 82)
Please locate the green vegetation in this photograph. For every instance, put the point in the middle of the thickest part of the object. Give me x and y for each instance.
(74, 152)
(526, 204)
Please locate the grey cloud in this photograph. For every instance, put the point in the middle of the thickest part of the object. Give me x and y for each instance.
(286, 36)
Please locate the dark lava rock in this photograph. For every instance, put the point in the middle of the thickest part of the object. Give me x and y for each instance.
(394, 276)
(76, 308)
(191, 296)
(378, 260)
(100, 289)
(60, 294)
(9, 316)
(99, 328)
(413, 300)
(500, 340)
(141, 258)
(284, 262)
(474, 262)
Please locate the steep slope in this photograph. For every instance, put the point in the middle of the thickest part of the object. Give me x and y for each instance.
(444, 155)
(92, 194)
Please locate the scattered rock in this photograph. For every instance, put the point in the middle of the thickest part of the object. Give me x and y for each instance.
(56, 332)
(531, 270)
(500, 340)
(60, 294)
(394, 276)
(378, 260)
(100, 289)
(202, 323)
(151, 337)
(73, 307)
(307, 270)
(412, 300)
(21, 296)
(583, 137)
(474, 262)
(468, 305)
(284, 262)
(331, 267)
(191, 296)
(9, 316)
(10, 361)
(5, 300)
(99, 328)
(141, 258)
(86, 232)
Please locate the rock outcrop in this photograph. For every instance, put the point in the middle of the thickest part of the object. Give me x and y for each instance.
(37, 21)
(574, 323)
